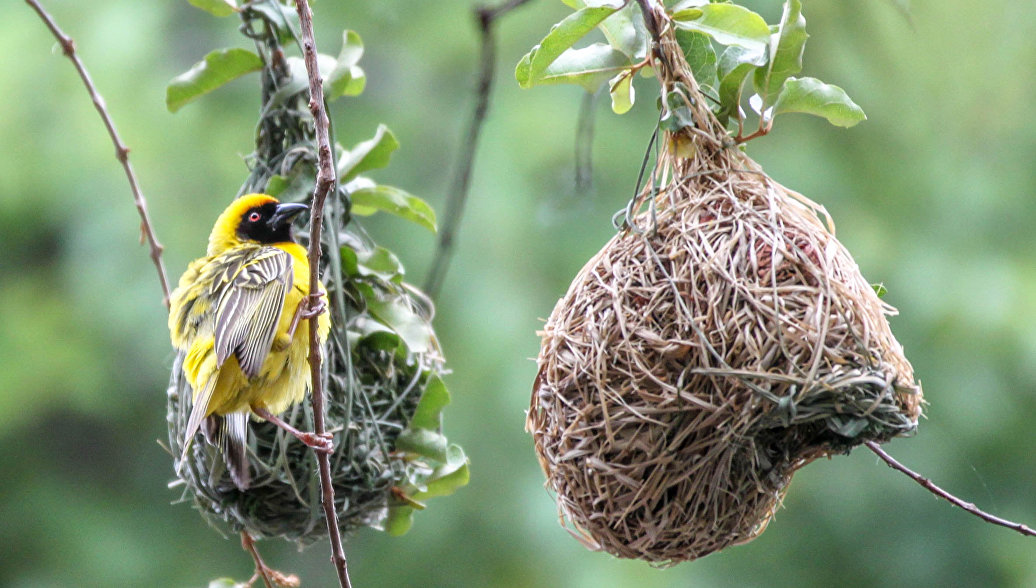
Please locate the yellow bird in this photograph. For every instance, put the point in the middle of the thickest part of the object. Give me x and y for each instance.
(237, 318)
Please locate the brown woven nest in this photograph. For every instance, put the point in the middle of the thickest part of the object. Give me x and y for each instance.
(722, 340)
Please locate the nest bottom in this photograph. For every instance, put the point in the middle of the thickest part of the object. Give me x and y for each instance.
(365, 414)
(674, 483)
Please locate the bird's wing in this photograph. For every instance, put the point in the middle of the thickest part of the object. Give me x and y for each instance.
(249, 307)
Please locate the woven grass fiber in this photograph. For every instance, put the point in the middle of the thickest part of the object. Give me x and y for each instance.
(373, 383)
(720, 341)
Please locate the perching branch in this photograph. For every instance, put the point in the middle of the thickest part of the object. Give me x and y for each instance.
(458, 195)
(325, 182)
(68, 47)
(926, 483)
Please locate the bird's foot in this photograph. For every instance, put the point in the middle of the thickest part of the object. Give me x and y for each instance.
(322, 443)
(315, 305)
(319, 443)
(309, 307)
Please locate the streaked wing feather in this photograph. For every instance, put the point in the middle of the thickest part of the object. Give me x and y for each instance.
(250, 308)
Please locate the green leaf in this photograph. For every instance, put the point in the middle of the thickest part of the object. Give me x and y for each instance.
(382, 263)
(728, 24)
(622, 92)
(880, 289)
(624, 30)
(734, 65)
(447, 478)
(811, 96)
(433, 400)
(786, 47)
(700, 54)
(216, 7)
(400, 519)
(367, 201)
(423, 442)
(218, 68)
(368, 332)
(295, 187)
(533, 66)
(283, 19)
(589, 67)
(685, 4)
(378, 262)
(346, 78)
(371, 154)
(394, 312)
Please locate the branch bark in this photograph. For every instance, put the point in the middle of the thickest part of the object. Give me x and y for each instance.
(325, 182)
(68, 47)
(928, 485)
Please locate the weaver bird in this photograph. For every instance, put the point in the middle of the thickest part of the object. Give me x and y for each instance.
(237, 318)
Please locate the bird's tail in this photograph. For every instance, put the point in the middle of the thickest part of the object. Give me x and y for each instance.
(230, 433)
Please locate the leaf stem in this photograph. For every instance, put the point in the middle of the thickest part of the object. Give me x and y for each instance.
(325, 182)
(68, 47)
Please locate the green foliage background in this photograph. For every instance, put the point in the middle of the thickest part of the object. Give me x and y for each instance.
(935, 195)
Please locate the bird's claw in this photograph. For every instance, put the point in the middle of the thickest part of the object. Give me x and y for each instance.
(315, 305)
(323, 443)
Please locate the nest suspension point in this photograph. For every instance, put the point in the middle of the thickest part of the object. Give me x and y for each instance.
(722, 340)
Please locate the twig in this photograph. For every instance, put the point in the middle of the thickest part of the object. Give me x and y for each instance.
(248, 544)
(927, 484)
(650, 20)
(68, 47)
(458, 194)
(584, 143)
(325, 181)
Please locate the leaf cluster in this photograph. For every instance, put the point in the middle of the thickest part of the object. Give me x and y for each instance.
(725, 44)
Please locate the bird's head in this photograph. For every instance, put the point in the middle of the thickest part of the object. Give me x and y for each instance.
(254, 218)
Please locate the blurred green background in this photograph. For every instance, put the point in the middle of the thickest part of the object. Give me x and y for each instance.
(935, 195)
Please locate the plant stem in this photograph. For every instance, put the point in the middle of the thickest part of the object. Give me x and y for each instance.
(458, 195)
(927, 484)
(68, 47)
(248, 544)
(325, 182)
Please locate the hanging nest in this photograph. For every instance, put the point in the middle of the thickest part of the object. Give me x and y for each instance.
(381, 365)
(717, 344)
(374, 383)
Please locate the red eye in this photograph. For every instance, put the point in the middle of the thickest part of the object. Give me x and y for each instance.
(254, 217)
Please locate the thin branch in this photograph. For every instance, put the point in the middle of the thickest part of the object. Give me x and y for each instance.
(68, 47)
(325, 182)
(248, 544)
(458, 194)
(927, 484)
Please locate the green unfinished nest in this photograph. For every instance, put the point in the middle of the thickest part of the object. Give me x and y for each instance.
(381, 373)
(378, 379)
(718, 343)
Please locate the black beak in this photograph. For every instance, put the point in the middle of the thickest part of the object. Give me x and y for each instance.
(285, 212)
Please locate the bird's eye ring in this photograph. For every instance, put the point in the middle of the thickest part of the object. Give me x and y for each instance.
(254, 217)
